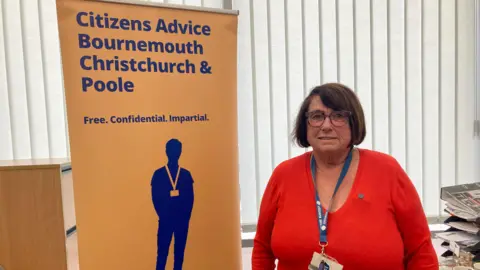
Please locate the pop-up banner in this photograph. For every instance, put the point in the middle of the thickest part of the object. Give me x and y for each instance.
(152, 119)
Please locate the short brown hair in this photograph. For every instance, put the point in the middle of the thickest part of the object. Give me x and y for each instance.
(335, 96)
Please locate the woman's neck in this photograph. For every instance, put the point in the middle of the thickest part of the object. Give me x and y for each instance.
(330, 159)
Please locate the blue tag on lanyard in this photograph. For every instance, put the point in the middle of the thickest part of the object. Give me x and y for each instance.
(323, 266)
(322, 219)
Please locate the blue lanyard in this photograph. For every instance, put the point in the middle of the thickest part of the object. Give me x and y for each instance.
(322, 219)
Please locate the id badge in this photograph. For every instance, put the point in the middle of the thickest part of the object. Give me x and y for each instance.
(323, 262)
(174, 193)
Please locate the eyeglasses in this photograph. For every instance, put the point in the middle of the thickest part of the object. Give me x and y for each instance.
(337, 118)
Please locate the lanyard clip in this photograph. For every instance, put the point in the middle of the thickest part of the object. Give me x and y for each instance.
(323, 245)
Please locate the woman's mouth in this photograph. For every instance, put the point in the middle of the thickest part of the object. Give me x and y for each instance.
(327, 138)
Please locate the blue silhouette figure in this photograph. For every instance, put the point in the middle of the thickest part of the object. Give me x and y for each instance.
(172, 196)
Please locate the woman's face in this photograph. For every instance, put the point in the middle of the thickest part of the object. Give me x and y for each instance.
(329, 136)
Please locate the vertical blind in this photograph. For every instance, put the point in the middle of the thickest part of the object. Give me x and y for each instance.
(32, 103)
(32, 111)
(411, 62)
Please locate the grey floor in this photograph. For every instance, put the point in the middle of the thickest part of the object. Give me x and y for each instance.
(72, 253)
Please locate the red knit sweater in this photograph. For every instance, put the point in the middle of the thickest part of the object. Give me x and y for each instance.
(385, 229)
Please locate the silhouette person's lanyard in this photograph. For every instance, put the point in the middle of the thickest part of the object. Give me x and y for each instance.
(174, 192)
(323, 219)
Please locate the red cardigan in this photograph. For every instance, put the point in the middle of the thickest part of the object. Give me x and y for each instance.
(381, 225)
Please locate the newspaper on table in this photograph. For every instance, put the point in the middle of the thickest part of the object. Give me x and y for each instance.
(468, 227)
(462, 200)
(463, 239)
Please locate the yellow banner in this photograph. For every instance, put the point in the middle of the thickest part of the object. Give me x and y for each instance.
(151, 103)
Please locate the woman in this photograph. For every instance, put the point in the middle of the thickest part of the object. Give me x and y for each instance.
(374, 220)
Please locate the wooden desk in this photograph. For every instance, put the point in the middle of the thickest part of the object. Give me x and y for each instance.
(36, 211)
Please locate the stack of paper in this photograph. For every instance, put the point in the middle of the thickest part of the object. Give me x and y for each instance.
(462, 203)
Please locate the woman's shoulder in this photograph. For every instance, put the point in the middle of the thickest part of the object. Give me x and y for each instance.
(292, 165)
(379, 160)
(378, 165)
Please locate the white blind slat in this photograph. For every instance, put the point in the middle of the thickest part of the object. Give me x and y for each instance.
(346, 59)
(430, 52)
(197, 3)
(311, 44)
(363, 65)
(278, 83)
(34, 79)
(6, 147)
(296, 62)
(179, 2)
(213, 3)
(329, 64)
(246, 118)
(396, 69)
(263, 103)
(465, 86)
(447, 96)
(14, 52)
(55, 99)
(380, 128)
(413, 69)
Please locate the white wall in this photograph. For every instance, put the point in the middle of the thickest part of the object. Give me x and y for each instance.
(411, 62)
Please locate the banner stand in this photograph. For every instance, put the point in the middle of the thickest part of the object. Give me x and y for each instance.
(152, 118)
